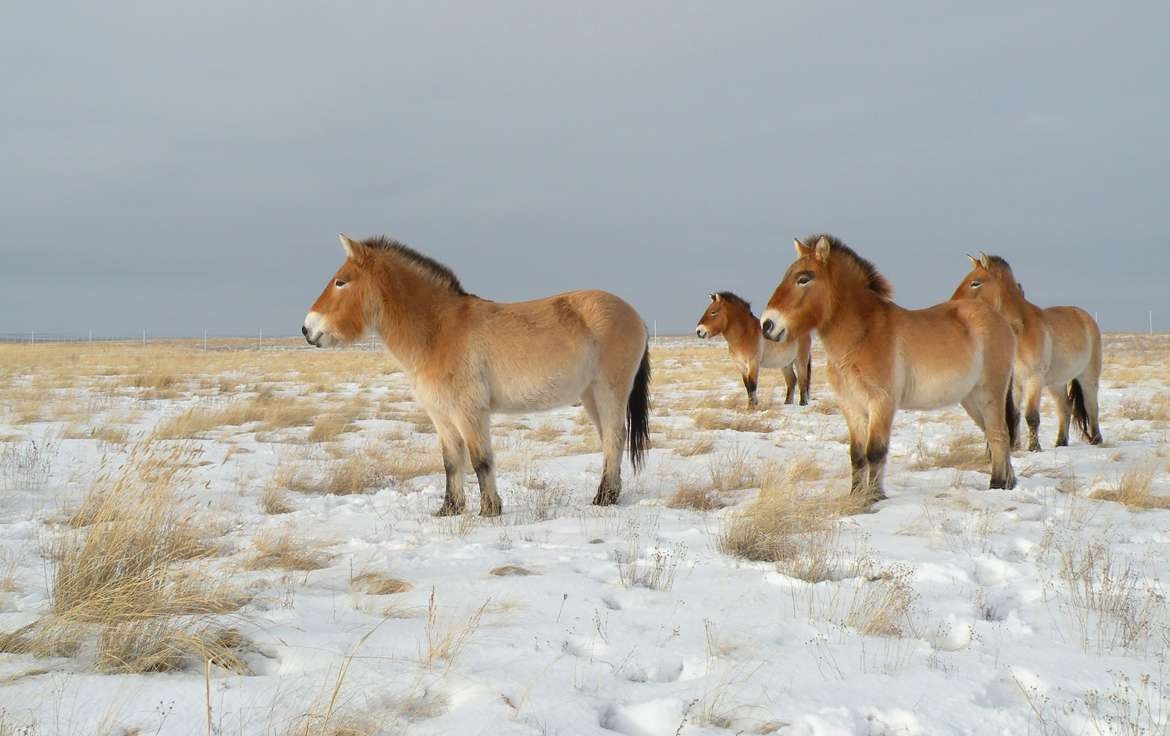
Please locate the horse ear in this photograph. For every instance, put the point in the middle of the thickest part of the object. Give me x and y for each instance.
(349, 245)
(984, 260)
(802, 250)
(715, 297)
(823, 249)
(974, 261)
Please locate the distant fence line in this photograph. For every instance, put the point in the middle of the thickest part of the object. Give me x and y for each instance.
(57, 337)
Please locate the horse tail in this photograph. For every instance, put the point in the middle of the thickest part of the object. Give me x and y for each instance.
(1012, 415)
(1076, 395)
(808, 377)
(638, 412)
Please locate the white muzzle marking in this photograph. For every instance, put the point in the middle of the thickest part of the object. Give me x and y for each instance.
(701, 331)
(773, 325)
(314, 330)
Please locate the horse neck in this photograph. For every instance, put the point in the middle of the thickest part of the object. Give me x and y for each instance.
(1015, 307)
(413, 311)
(846, 326)
(742, 327)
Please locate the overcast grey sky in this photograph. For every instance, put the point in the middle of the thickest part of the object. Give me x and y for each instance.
(176, 167)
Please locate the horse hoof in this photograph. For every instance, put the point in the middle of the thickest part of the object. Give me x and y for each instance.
(1034, 447)
(804, 402)
(449, 510)
(1096, 440)
(488, 512)
(1062, 442)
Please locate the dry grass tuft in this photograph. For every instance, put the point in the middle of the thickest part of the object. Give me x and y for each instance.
(1110, 600)
(369, 467)
(274, 500)
(157, 646)
(511, 571)
(697, 446)
(795, 529)
(691, 494)
(376, 583)
(1154, 408)
(122, 576)
(713, 419)
(329, 427)
(963, 452)
(1134, 489)
(268, 411)
(446, 640)
(733, 468)
(284, 552)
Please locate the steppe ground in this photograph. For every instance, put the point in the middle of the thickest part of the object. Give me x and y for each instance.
(240, 540)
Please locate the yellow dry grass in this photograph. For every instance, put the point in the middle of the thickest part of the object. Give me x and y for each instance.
(269, 412)
(283, 550)
(122, 576)
(328, 427)
(373, 465)
(792, 526)
(376, 583)
(962, 452)
(1135, 489)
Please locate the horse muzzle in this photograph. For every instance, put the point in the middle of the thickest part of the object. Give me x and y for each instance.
(701, 332)
(772, 329)
(315, 333)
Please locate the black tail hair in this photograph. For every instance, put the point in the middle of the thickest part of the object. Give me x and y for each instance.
(638, 412)
(1076, 395)
(808, 378)
(1012, 415)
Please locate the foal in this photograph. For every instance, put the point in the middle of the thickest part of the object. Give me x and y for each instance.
(1058, 348)
(731, 316)
(467, 358)
(882, 357)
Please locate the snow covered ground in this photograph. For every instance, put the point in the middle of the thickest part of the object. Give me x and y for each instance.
(948, 609)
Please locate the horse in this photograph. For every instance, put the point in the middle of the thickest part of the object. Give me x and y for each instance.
(1058, 348)
(731, 316)
(882, 357)
(467, 358)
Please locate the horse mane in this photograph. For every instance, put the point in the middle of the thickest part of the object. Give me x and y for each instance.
(736, 299)
(874, 280)
(999, 261)
(443, 274)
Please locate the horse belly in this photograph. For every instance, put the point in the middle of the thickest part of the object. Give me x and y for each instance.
(778, 356)
(539, 386)
(936, 387)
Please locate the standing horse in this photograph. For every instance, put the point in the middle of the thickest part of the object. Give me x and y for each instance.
(467, 358)
(882, 357)
(731, 316)
(1058, 348)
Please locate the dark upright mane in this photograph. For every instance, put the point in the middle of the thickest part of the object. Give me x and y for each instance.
(998, 261)
(441, 273)
(874, 281)
(736, 299)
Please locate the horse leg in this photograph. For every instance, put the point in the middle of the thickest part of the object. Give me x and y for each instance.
(975, 411)
(451, 443)
(789, 383)
(609, 415)
(877, 445)
(992, 406)
(477, 435)
(857, 420)
(803, 376)
(1031, 408)
(751, 377)
(1059, 394)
